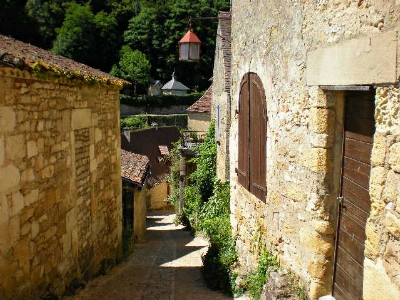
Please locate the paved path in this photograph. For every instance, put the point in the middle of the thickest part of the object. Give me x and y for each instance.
(167, 266)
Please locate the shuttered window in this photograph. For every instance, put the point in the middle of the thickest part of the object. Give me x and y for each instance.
(252, 137)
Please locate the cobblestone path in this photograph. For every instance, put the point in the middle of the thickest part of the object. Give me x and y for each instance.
(167, 266)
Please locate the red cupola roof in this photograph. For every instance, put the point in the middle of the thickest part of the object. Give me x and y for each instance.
(190, 37)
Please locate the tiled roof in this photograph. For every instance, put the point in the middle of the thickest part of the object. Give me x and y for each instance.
(15, 53)
(163, 149)
(146, 142)
(203, 105)
(133, 166)
(175, 85)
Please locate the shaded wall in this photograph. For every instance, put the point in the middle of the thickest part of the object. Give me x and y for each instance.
(60, 187)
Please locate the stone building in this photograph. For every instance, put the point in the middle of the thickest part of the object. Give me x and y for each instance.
(135, 170)
(199, 113)
(313, 141)
(60, 184)
(174, 87)
(154, 143)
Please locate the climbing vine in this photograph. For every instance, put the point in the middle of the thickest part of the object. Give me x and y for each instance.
(207, 210)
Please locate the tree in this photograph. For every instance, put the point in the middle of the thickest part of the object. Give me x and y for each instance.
(88, 38)
(133, 66)
(14, 22)
(157, 29)
(75, 39)
(48, 15)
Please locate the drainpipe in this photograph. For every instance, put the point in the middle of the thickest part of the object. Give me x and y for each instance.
(182, 179)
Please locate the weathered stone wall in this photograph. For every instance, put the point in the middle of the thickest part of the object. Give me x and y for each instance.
(382, 251)
(140, 212)
(127, 110)
(221, 97)
(278, 40)
(157, 195)
(199, 121)
(60, 184)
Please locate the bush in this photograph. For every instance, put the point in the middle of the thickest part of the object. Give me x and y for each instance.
(134, 122)
(159, 101)
(266, 264)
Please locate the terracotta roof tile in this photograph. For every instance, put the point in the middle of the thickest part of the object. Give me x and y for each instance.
(15, 53)
(203, 105)
(133, 166)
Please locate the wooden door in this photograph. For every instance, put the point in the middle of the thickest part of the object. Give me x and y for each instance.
(355, 200)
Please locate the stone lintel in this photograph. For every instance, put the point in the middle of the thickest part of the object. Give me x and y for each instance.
(366, 60)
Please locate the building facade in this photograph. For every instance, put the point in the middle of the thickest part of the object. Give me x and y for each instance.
(60, 184)
(313, 141)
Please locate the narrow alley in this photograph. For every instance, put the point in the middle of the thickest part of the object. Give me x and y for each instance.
(166, 266)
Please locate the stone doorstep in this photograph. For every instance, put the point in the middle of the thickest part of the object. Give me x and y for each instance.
(328, 297)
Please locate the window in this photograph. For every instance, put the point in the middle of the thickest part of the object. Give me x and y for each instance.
(252, 138)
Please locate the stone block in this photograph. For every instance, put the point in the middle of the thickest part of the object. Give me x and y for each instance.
(392, 187)
(321, 120)
(15, 146)
(71, 219)
(322, 227)
(22, 250)
(32, 149)
(9, 178)
(322, 140)
(7, 119)
(377, 283)
(318, 288)
(366, 60)
(394, 157)
(393, 224)
(2, 151)
(47, 172)
(316, 243)
(81, 118)
(318, 269)
(379, 149)
(17, 204)
(316, 159)
(28, 175)
(372, 242)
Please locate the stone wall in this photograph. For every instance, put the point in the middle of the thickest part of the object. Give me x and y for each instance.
(221, 98)
(127, 110)
(140, 212)
(285, 43)
(60, 184)
(157, 195)
(199, 121)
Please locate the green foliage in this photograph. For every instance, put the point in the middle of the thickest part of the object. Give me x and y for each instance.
(214, 221)
(134, 122)
(205, 173)
(87, 37)
(133, 66)
(93, 31)
(207, 210)
(137, 122)
(266, 263)
(159, 101)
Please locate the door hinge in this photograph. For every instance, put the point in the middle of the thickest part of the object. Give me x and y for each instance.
(340, 199)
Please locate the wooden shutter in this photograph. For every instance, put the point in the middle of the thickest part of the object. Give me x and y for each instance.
(258, 128)
(243, 159)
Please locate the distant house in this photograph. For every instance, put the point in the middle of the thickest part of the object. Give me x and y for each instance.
(60, 187)
(135, 169)
(199, 114)
(174, 87)
(155, 88)
(154, 143)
